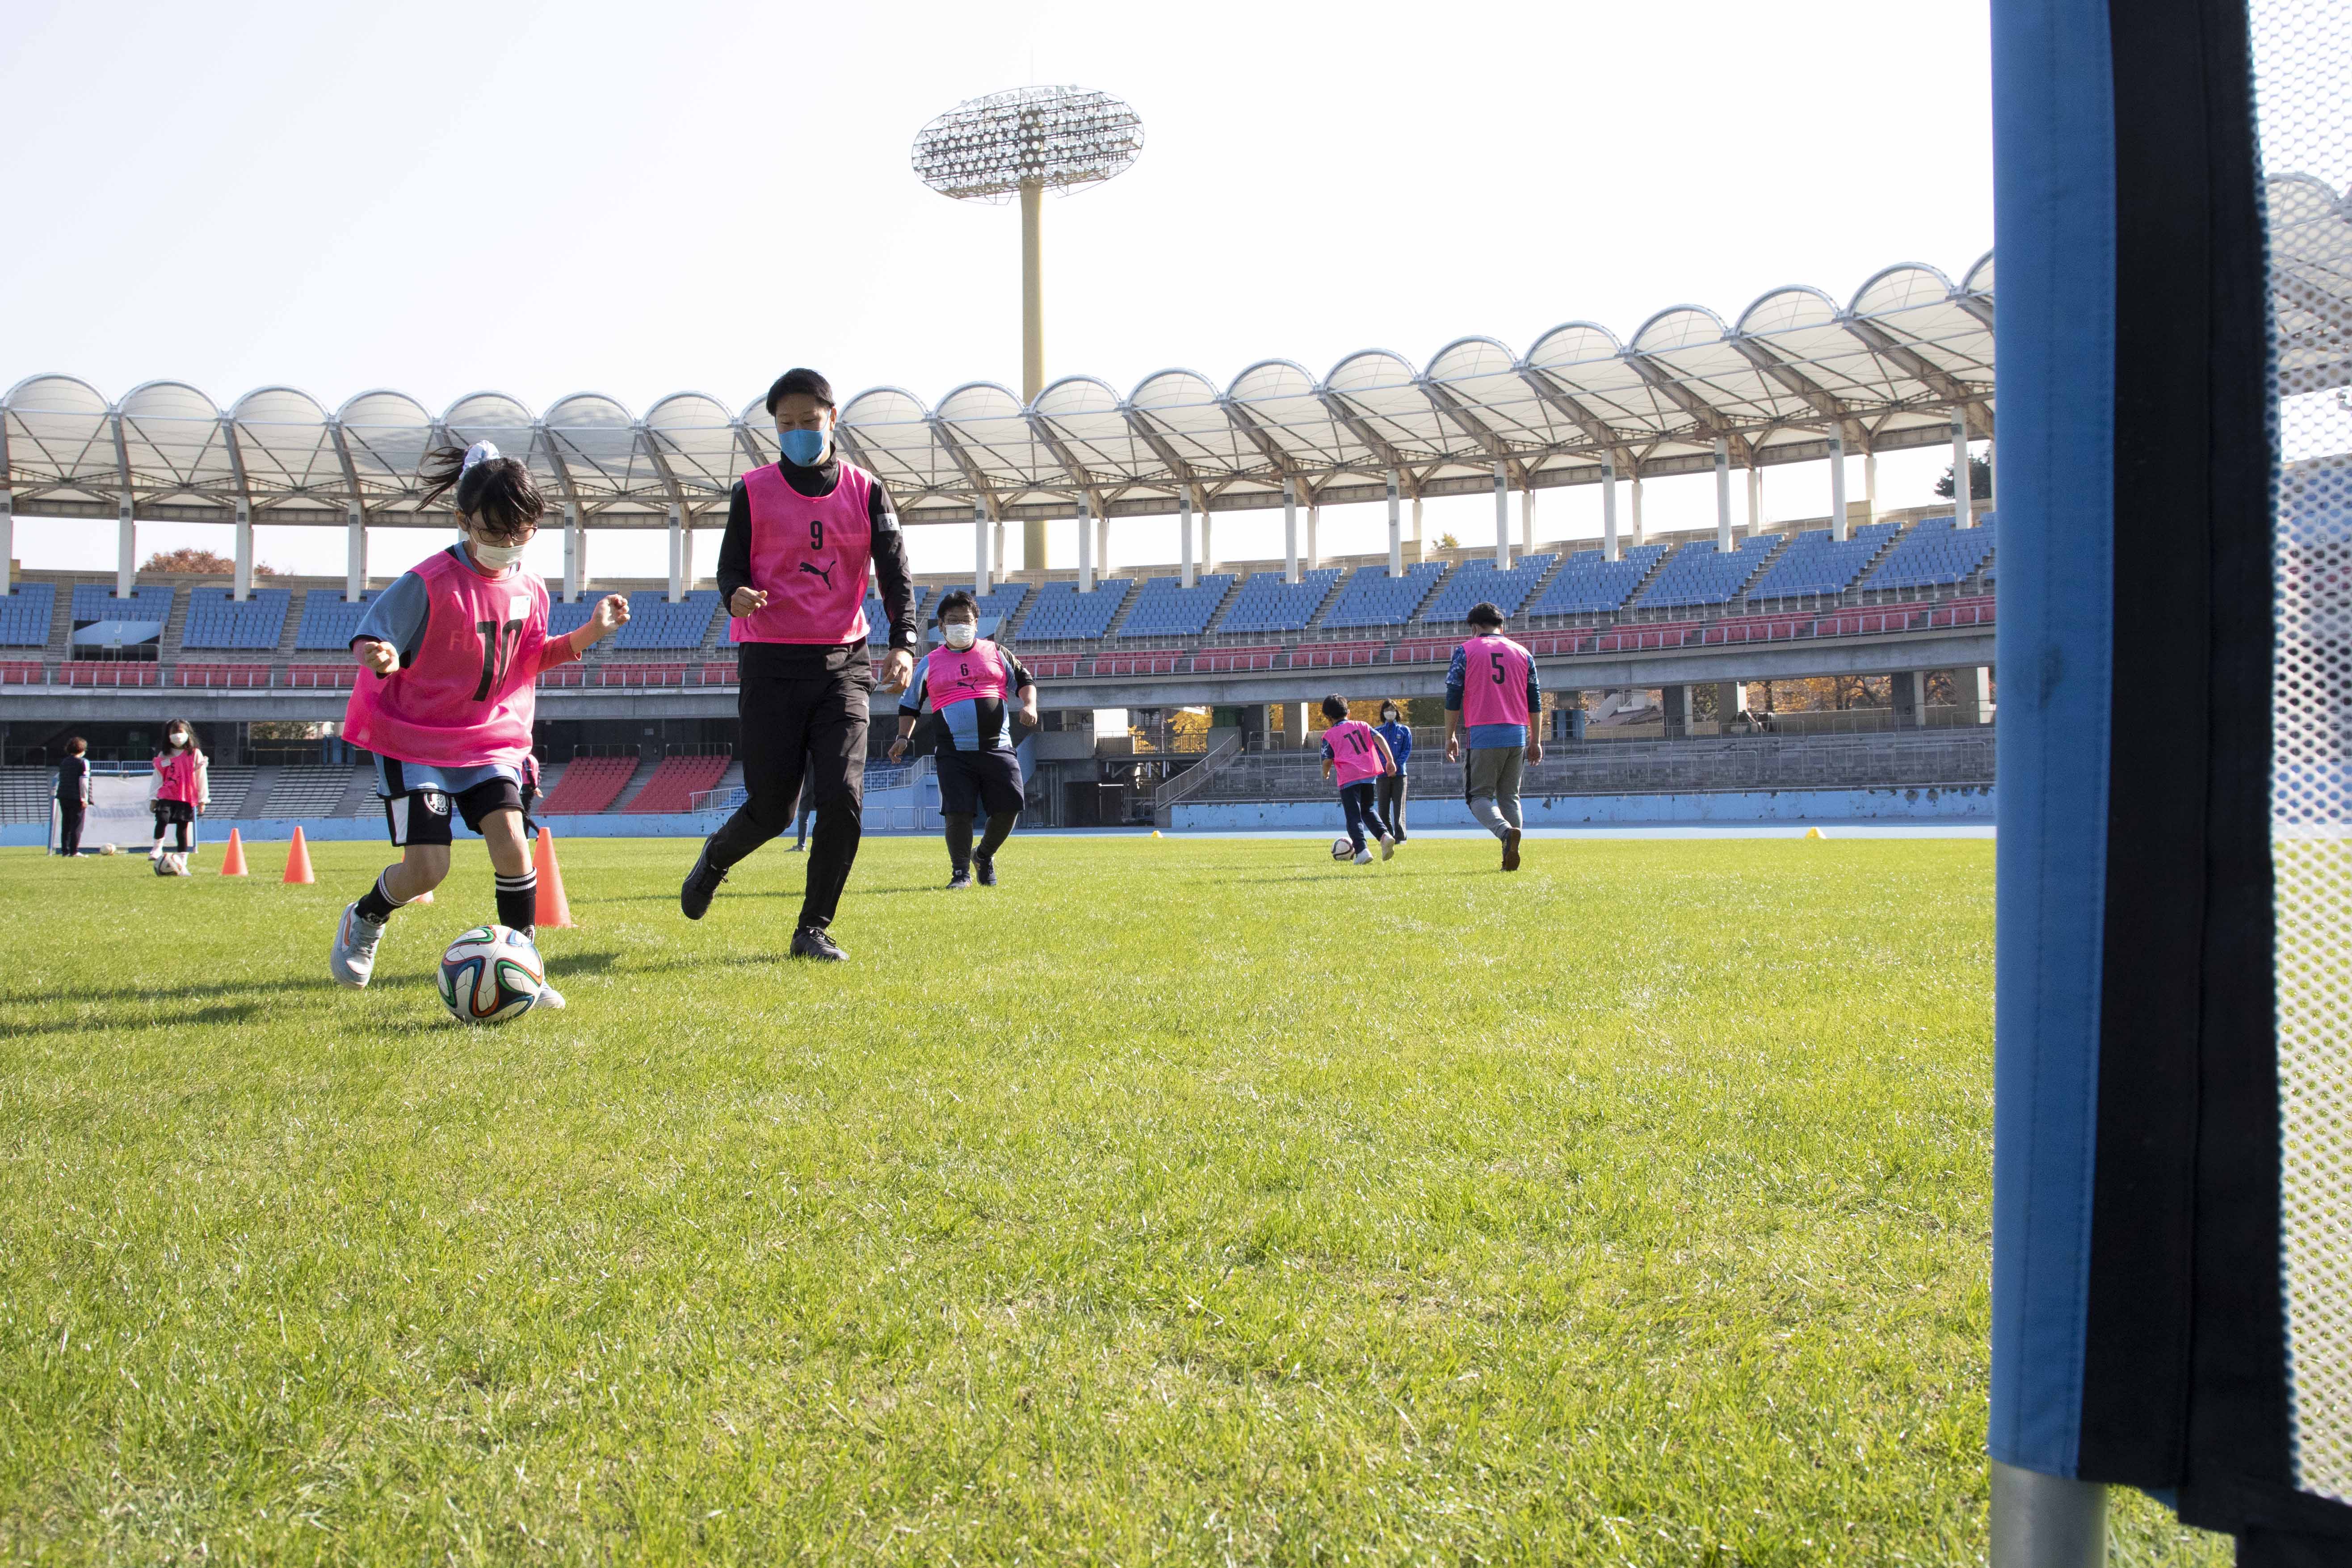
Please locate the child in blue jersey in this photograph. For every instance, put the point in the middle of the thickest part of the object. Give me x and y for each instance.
(966, 682)
(1388, 790)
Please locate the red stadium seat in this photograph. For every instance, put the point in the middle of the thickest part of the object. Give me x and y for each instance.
(675, 783)
(95, 673)
(313, 677)
(589, 785)
(242, 676)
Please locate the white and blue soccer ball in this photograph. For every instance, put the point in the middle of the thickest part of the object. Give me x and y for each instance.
(491, 975)
(1343, 848)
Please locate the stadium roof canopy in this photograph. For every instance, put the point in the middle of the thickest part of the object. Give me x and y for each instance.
(1889, 367)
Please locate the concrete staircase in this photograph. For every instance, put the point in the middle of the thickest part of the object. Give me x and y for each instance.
(175, 626)
(61, 643)
(1126, 607)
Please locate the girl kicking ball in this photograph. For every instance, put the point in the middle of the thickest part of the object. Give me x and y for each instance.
(450, 656)
(1355, 755)
(183, 789)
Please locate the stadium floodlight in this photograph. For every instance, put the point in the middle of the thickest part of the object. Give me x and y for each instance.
(1023, 142)
(1018, 143)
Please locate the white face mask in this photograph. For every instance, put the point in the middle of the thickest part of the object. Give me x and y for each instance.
(959, 634)
(175, 739)
(1388, 716)
(497, 557)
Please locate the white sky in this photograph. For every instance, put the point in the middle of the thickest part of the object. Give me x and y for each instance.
(550, 198)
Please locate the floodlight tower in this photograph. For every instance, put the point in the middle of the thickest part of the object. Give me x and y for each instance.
(1021, 142)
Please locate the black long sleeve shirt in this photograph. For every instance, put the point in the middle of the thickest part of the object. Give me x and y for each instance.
(887, 543)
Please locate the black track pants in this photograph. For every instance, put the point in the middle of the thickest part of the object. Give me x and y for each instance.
(804, 727)
(70, 820)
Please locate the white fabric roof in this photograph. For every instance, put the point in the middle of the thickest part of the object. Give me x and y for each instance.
(1890, 365)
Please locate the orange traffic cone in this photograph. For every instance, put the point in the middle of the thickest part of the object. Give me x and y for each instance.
(233, 857)
(298, 859)
(554, 908)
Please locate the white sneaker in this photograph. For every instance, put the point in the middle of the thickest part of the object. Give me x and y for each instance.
(1388, 848)
(548, 997)
(1363, 856)
(353, 959)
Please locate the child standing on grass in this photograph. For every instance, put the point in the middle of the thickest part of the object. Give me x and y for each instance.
(1356, 755)
(1388, 791)
(966, 680)
(1491, 693)
(182, 790)
(451, 653)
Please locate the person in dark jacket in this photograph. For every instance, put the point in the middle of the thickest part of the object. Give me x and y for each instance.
(1388, 790)
(801, 534)
(73, 795)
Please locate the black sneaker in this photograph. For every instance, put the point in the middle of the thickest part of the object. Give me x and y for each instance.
(811, 941)
(694, 897)
(1511, 849)
(959, 881)
(985, 869)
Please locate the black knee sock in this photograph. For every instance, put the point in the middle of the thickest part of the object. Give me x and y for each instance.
(376, 904)
(959, 841)
(999, 828)
(519, 901)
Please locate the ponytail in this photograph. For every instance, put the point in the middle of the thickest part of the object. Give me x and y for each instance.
(496, 492)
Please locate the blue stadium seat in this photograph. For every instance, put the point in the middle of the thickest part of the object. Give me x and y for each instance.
(96, 602)
(1166, 608)
(218, 621)
(1373, 598)
(655, 623)
(1697, 575)
(1476, 582)
(1589, 586)
(327, 623)
(1934, 554)
(994, 607)
(564, 619)
(878, 624)
(1816, 564)
(1268, 604)
(1063, 614)
(24, 615)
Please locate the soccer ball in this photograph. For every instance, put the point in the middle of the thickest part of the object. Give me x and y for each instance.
(106, 849)
(1342, 850)
(490, 974)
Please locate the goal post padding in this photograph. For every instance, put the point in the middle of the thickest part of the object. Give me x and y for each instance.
(2140, 1311)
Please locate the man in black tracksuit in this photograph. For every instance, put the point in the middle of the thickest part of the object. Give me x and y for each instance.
(792, 570)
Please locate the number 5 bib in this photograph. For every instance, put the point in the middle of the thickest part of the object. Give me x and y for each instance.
(810, 554)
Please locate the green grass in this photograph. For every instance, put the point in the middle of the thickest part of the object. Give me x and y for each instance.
(1180, 1201)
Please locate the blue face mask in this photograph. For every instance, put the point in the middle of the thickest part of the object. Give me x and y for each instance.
(802, 447)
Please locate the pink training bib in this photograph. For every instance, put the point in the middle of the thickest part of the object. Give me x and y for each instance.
(810, 554)
(1355, 751)
(952, 677)
(468, 697)
(176, 776)
(1495, 681)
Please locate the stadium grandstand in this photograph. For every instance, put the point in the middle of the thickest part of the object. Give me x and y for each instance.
(1635, 623)
(1795, 377)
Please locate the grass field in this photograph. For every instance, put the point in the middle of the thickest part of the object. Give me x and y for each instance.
(1178, 1201)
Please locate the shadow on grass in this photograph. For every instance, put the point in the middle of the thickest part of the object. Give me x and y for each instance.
(109, 1024)
(256, 986)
